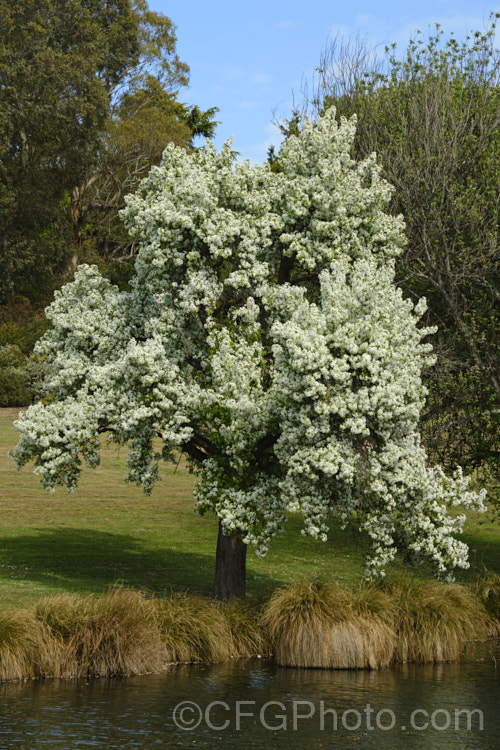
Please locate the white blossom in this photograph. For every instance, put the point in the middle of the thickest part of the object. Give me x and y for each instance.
(265, 337)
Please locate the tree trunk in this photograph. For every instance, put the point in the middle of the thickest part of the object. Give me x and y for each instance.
(230, 566)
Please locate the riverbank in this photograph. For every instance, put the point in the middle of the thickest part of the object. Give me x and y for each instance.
(308, 623)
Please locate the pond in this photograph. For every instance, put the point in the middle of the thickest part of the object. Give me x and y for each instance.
(255, 704)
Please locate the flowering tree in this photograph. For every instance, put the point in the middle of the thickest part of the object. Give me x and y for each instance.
(264, 337)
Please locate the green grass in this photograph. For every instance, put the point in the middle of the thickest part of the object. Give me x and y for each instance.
(108, 532)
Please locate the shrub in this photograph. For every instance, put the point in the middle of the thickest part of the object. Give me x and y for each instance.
(14, 389)
(21, 377)
(24, 335)
(11, 356)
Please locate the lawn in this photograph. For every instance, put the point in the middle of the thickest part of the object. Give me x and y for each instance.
(109, 532)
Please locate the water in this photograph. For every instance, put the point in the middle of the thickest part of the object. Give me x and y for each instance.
(285, 706)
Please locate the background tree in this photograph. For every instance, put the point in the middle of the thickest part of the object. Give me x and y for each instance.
(68, 72)
(433, 117)
(264, 337)
(145, 118)
(58, 62)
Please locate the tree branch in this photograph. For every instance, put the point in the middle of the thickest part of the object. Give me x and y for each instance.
(194, 452)
(285, 269)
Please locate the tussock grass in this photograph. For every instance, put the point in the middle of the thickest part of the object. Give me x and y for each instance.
(193, 628)
(248, 635)
(114, 635)
(308, 623)
(26, 650)
(487, 589)
(313, 623)
(124, 633)
(64, 614)
(432, 620)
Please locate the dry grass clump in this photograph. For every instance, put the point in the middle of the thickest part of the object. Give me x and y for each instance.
(247, 633)
(372, 600)
(113, 635)
(64, 614)
(308, 623)
(25, 648)
(123, 633)
(487, 589)
(193, 629)
(432, 620)
(317, 624)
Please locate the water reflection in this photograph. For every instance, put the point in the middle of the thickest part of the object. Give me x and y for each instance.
(139, 712)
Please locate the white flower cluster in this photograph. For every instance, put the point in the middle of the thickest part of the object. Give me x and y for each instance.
(265, 337)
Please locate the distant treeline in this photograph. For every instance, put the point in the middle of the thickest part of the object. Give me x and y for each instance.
(89, 98)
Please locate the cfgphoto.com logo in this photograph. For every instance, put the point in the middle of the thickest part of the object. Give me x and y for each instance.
(276, 716)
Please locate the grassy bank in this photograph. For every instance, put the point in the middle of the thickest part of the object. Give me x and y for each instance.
(108, 532)
(316, 623)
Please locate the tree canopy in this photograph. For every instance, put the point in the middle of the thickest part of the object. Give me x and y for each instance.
(144, 120)
(264, 337)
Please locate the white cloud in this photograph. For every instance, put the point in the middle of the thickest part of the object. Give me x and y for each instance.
(249, 105)
(261, 78)
(364, 19)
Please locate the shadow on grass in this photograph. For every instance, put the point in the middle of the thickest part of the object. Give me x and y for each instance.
(87, 560)
(484, 553)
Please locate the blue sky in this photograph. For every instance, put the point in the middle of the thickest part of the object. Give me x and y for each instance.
(250, 58)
